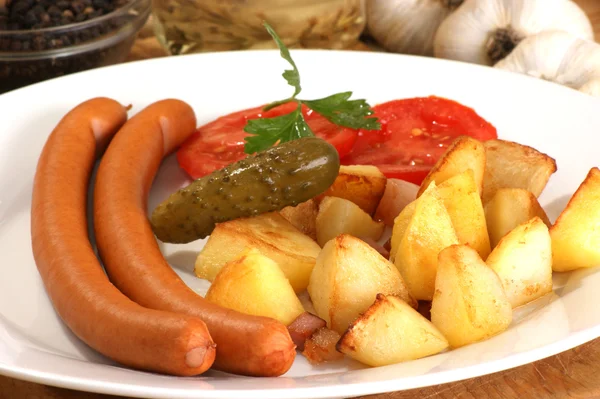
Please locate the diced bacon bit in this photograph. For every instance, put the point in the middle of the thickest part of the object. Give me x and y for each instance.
(320, 348)
(425, 309)
(378, 247)
(304, 327)
(303, 217)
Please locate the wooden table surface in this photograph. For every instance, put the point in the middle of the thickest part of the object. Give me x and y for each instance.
(571, 374)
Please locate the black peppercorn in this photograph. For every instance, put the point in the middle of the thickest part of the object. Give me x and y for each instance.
(23, 15)
(54, 11)
(62, 4)
(77, 6)
(65, 40)
(31, 18)
(39, 43)
(45, 18)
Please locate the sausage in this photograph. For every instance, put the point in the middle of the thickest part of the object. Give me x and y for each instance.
(96, 311)
(303, 327)
(247, 345)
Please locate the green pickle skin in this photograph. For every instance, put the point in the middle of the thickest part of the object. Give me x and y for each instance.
(284, 175)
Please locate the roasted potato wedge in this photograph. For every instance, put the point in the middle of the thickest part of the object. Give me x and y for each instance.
(303, 217)
(346, 279)
(508, 208)
(400, 225)
(576, 233)
(397, 195)
(523, 261)
(417, 242)
(513, 165)
(390, 332)
(469, 304)
(464, 153)
(362, 184)
(463, 202)
(254, 284)
(338, 216)
(272, 235)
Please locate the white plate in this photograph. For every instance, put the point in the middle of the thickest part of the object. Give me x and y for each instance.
(36, 346)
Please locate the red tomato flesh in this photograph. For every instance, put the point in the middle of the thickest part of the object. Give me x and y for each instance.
(221, 142)
(414, 134)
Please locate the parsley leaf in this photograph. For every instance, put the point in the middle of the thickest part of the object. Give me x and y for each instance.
(292, 76)
(342, 111)
(337, 108)
(270, 131)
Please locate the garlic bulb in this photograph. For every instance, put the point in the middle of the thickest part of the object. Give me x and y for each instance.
(559, 57)
(407, 26)
(486, 31)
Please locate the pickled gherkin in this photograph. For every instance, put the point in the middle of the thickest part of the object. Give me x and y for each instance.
(284, 175)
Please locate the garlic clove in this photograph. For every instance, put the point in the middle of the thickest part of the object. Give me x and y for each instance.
(540, 55)
(581, 64)
(463, 34)
(486, 31)
(556, 56)
(407, 26)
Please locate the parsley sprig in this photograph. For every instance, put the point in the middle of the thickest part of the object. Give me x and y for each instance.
(337, 108)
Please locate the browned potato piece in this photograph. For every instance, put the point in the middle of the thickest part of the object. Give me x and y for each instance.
(464, 153)
(400, 225)
(509, 208)
(272, 235)
(576, 233)
(254, 284)
(513, 165)
(339, 216)
(346, 279)
(397, 195)
(416, 242)
(469, 304)
(303, 217)
(523, 261)
(464, 206)
(391, 332)
(362, 184)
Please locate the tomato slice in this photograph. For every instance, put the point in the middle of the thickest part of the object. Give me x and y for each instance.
(221, 142)
(414, 134)
(414, 174)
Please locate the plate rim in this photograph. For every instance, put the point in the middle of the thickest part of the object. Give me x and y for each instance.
(361, 388)
(327, 392)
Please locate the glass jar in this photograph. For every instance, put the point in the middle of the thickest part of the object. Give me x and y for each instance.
(192, 26)
(34, 55)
